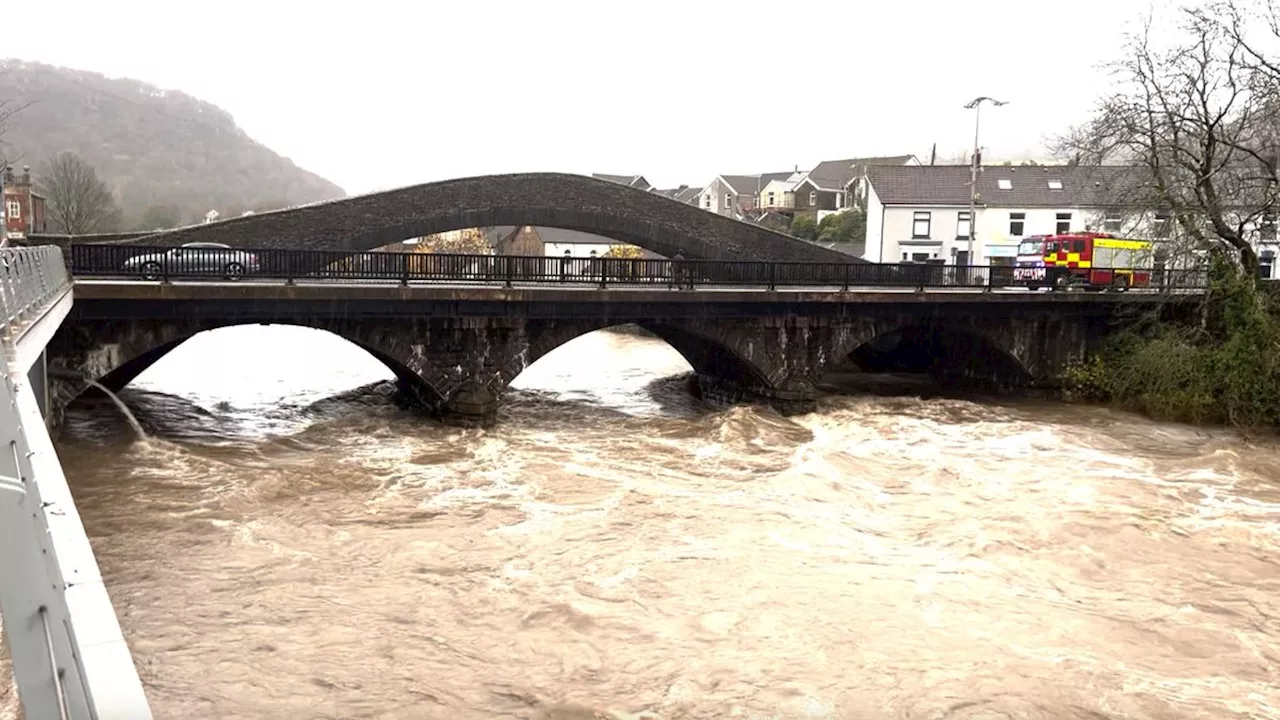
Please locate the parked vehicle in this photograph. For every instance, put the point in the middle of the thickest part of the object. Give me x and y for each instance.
(195, 259)
(1093, 261)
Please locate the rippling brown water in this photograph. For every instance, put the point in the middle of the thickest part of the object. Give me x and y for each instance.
(613, 545)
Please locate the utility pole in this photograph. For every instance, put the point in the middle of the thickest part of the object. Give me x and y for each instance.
(976, 106)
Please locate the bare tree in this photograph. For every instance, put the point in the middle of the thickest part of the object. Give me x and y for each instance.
(1195, 120)
(78, 202)
(9, 107)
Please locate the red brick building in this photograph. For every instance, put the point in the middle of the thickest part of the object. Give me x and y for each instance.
(23, 208)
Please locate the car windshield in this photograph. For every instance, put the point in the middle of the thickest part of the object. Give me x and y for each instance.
(1030, 247)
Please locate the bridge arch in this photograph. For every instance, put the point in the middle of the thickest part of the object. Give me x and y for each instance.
(949, 350)
(713, 358)
(555, 200)
(77, 357)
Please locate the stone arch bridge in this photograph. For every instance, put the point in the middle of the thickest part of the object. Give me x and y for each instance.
(455, 350)
(570, 202)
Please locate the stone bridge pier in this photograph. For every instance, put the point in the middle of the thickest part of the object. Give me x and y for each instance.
(456, 368)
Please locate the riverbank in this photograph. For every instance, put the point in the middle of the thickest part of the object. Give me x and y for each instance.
(1223, 367)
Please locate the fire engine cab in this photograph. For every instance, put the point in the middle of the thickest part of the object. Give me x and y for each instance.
(1090, 260)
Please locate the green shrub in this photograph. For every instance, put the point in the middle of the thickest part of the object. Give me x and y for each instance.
(1225, 369)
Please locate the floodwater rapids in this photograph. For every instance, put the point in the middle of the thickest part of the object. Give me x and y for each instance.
(288, 546)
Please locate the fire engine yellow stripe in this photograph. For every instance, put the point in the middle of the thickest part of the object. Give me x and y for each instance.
(1085, 264)
(1122, 244)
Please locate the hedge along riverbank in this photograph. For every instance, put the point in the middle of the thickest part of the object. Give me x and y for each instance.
(1223, 367)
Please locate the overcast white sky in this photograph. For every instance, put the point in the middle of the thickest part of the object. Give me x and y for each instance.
(381, 93)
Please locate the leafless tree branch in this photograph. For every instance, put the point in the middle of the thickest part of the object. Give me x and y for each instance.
(77, 201)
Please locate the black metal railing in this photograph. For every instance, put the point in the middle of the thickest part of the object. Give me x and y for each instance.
(195, 263)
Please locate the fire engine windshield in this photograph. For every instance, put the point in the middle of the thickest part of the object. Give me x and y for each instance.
(1030, 247)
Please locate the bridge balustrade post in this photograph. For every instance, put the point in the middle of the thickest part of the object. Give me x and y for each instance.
(509, 261)
(848, 270)
(773, 276)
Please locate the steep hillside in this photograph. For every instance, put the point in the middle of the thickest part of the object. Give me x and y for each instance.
(154, 147)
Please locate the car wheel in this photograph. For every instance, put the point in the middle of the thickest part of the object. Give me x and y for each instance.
(233, 271)
(151, 270)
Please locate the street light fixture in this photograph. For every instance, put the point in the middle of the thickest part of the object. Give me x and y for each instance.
(976, 106)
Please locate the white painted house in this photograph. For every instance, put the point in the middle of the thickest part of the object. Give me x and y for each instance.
(921, 214)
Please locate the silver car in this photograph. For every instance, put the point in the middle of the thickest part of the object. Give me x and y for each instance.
(198, 259)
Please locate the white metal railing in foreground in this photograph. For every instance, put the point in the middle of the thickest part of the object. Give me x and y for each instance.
(70, 659)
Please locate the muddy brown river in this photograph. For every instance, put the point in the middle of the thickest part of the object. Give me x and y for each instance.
(277, 549)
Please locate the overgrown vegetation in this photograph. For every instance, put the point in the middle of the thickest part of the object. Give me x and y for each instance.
(1221, 367)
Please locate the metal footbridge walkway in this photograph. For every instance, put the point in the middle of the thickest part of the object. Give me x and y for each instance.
(70, 660)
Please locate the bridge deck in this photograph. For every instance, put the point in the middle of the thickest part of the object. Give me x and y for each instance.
(257, 290)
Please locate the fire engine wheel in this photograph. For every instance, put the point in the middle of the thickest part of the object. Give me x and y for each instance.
(1062, 282)
(1120, 283)
(1033, 287)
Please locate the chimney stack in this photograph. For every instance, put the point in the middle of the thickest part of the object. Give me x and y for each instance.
(25, 180)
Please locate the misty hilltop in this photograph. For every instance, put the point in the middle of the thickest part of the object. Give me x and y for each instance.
(153, 147)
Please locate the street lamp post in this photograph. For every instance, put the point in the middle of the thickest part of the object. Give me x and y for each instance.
(976, 107)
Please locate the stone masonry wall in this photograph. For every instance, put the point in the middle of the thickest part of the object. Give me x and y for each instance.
(571, 202)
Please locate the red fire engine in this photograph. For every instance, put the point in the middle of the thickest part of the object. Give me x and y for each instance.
(1090, 260)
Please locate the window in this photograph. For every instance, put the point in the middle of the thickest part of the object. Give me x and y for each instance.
(1030, 247)
(1160, 227)
(1266, 228)
(920, 257)
(962, 225)
(728, 201)
(1064, 224)
(769, 199)
(813, 197)
(706, 202)
(1000, 261)
(1077, 246)
(839, 200)
(1112, 221)
(1265, 263)
(15, 208)
(1055, 184)
(1017, 224)
(920, 225)
(1004, 184)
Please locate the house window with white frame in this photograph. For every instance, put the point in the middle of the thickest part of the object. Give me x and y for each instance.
(813, 198)
(15, 208)
(962, 225)
(839, 200)
(769, 199)
(920, 225)
(1267, 227)
(1266, 261)
(1112, 221)
(1017, 224)
(1064, 223)
(706, 202)
(1161, 226)
(728, 201)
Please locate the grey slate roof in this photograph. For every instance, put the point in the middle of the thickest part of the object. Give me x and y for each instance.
(628, 180)
(753, 184)
(1082, 186)
(836, 174)
(688, 195)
